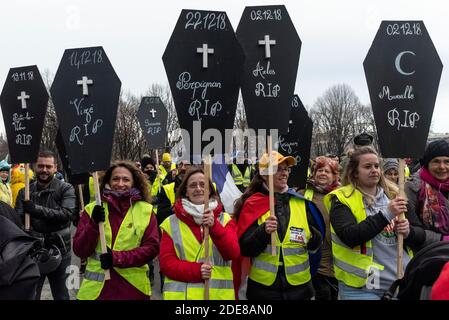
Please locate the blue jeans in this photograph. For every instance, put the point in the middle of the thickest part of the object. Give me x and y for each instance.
(350, 293)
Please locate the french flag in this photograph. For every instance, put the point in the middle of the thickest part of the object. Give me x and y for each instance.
(225, 184)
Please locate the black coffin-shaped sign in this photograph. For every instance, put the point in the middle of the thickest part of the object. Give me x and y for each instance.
(403, 71)
(80, 178)
(24, 101)
(203, 61)
(152, 116)
(272, 48)
(297, 142)
(85, 92)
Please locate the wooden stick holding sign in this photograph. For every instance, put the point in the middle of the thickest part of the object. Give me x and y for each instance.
(104, 248)
(207, 177)
(27, 194)
(80, 190)
(400, 269)
(157, 171)
(271, 192)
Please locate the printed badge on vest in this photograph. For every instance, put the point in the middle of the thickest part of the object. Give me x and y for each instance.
(298, 235)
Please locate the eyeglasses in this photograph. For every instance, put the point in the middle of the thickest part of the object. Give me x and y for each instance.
(287, 169)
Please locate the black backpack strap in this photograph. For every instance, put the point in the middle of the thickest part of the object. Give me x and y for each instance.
(391, 292)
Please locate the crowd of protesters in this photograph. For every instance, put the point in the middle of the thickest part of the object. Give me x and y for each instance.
(334, 239)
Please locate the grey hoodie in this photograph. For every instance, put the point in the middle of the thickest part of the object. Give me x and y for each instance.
(384, 246)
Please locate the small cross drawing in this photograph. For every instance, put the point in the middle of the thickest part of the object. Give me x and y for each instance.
(85, 82)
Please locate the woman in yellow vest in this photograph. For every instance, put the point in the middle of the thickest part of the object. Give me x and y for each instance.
(324, 179)
(131, 236)
(285, 275)
(364, 227)
(181, 256)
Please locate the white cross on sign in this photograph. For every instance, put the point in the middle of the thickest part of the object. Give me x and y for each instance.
(152, 111)
(85, 82)
(289, 123)
(205, 51)
(23, 96)
(267, 42)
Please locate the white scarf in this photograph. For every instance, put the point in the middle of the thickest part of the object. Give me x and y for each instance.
(197, 210)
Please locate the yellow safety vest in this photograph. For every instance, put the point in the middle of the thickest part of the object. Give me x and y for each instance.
(91, 189)
(240, 179)
(406, 171)
(128, 237)
(308, 194)
(351, 266)
(5, 193)
(264, 267)
(153, 188)
(164, 171)
(188, 248)
(170, 192)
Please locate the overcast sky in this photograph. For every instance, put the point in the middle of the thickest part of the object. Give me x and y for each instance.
(336, 36)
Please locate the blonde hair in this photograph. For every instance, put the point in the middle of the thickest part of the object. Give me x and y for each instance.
(390, 189)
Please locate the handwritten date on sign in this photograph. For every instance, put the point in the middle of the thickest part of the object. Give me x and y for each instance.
(86, 57)
(205, 21)
(405, 29)
(267, 14)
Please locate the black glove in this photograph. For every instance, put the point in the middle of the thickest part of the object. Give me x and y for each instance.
(98, 214)
(30, 207)
(106, 260)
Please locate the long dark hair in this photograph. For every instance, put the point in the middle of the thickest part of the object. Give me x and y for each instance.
(181, 192)
(138, 177)
(255, 186)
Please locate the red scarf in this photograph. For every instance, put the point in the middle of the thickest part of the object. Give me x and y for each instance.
(324, 190)
(434, 211)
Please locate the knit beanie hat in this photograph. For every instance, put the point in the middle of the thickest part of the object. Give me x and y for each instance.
(390, 163)
(363, 139)
(438, 148)
(4, 165)
(147, 160)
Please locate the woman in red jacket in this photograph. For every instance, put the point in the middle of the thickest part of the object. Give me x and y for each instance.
(131, 232)
(181, 255)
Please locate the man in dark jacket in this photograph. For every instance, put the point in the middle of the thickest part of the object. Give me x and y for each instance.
(51, 205)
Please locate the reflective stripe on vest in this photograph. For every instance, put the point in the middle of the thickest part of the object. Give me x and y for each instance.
(351, 266)
(265, 266)
(188, 248)
(129, 236)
